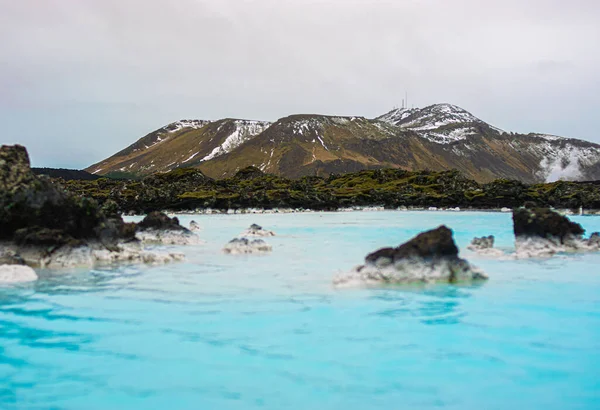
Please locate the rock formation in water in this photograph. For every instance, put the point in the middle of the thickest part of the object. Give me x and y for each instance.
(157, 227)
(16, 274)
(257, 230)
(485, 242)
(485, 246)
(43, 225)
(239, 246)
(431, 256)
(541, 232)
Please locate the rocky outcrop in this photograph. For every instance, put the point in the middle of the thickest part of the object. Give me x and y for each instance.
(431, 256)
(16, 274)
(43, 225)
(485, 242)
(240, 246)
(542, 232)
(485, 246)
(157, 227)
(160, 221)
(257, 231)
(29, 201)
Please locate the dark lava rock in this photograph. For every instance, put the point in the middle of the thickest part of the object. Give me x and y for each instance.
(247, 173)
(36, 236)
(36, 212)
(435, 244)
(485, 242)
(544, 223)
(429, 257)
(160, 221)
(43, 225)
(383, 253)
(594, 239)
(27, 200)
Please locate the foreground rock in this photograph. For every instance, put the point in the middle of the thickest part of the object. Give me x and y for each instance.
(240, 246)
(42, 225)
(431, 256)
(257, 230)
(16, 274)
(542, 232)
(157, 227)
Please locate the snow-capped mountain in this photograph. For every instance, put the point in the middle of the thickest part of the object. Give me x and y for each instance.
(441, 123)
(437, 137)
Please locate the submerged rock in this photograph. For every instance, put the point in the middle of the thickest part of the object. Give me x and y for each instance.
(157, 227)
(16, 274)
(431, 256)
(542, 232)
(239, 246)
(257, 230)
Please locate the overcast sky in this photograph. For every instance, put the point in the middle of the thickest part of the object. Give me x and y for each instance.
(82, 79)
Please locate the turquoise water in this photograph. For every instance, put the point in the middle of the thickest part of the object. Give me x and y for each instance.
(270, 332)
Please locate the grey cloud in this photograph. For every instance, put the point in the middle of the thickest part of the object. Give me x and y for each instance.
(81, 79)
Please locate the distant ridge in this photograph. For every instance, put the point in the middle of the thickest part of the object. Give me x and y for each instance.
(66, 174)
(438, 137)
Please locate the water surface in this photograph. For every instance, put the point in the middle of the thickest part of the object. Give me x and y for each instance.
(245, 332)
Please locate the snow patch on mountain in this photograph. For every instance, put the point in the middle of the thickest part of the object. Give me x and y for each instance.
(305, 126)
(548, 137)
(457, 134)
(244, 131)
(397, 115)
(182, 124)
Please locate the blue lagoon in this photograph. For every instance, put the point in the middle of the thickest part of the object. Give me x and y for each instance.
(247, 332)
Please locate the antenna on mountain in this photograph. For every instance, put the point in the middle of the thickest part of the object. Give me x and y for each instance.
(406, 97)
(403, 103)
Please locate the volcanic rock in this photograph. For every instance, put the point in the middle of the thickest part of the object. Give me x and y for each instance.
(431, 256)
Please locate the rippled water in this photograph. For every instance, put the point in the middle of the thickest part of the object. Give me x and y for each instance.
(244, 332)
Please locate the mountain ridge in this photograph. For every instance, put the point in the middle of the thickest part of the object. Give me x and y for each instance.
(437, 137)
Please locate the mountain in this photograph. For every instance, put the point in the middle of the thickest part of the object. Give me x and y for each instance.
(183, 143)
(437, 137)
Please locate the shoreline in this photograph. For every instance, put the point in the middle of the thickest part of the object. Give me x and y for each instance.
(261, 211)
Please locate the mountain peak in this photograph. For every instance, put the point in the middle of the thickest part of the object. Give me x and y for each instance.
(181, 124)
(442, 123)
(442, 114)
